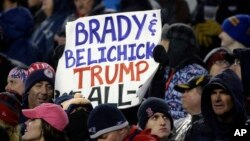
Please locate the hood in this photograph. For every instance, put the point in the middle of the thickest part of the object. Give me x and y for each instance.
(230, 81)
(19, 26)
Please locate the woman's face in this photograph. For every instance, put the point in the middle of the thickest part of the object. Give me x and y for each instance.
(33, 130)
(83, 7)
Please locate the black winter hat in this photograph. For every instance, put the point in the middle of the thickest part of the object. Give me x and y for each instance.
(105, 118)
(151, 106)
(39, 75)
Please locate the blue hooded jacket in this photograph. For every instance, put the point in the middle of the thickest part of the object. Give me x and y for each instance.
(16, 25)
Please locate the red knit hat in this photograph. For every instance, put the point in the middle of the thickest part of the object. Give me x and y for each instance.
(10, 108)
(215, 55)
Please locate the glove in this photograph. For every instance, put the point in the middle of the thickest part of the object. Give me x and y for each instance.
(209, 28)
(205, 31)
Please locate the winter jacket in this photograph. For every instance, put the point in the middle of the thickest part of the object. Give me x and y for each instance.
(16, 25)
(225, 131)
(135, 134)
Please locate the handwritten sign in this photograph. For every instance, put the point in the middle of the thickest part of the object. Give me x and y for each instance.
(108, 58)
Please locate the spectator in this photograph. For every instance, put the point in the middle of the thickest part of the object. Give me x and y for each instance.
(216, 60)
(229, 8)
(223, 106)
(83, 8)
(16, 81)
(6, 64)
(181, 62)
(39, 88)
(205, 26)
(10, 109)
(191, 128)
(36, 11)
(16, 25)
(44, 125)
(235, 32)
(153, 114)
(174, 11)
(103, 126)
(77, 109)
(43, 36)
(240, 65)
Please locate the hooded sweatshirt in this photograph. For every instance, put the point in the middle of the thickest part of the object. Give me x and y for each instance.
(232, 84)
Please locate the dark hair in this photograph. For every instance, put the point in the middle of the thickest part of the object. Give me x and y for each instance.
(52, 134)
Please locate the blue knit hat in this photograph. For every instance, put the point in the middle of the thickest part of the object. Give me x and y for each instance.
(39, 75)
(105, 118)
(238, 27)
(151, 106)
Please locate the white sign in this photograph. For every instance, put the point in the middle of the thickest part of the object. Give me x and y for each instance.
(108, 58)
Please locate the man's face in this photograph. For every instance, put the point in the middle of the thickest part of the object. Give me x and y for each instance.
(191, 100)
(221, 101)
(160, 125)
(226, 40)
(41, 92)
(111, 136)
(15, 85)
(218, 66)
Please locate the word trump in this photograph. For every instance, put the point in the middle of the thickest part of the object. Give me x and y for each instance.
(132, 71)
(240, 132)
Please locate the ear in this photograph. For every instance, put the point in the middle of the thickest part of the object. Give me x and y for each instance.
(124, 131)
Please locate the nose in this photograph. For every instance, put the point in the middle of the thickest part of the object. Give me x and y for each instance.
(162, 121)
(218, 97)
(7, 87)
(44, 89)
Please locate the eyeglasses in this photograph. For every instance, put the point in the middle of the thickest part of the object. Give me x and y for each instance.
(221, 62)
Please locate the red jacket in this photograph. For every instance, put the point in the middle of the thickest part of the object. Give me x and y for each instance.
(135, 134)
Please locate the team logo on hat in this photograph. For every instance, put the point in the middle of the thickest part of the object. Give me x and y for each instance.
(48, 73)
(92, 130)
(149, 112)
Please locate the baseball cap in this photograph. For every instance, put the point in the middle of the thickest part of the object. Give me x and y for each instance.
(194, 82)
(52, 113)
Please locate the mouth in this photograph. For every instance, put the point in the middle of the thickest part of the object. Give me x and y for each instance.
(218, 106)
(163, 129)
(42, 100)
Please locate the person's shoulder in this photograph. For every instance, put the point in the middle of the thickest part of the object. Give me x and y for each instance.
(136, 134)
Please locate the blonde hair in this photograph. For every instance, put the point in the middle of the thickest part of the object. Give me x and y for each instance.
(13, 131)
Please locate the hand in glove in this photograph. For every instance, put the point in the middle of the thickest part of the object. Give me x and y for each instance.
(209, 28)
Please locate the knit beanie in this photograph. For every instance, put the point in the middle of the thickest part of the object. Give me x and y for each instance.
(10, 108)
(215, 55)
(105, 118)
(39, 75)
(151, 106)
(238, 27)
